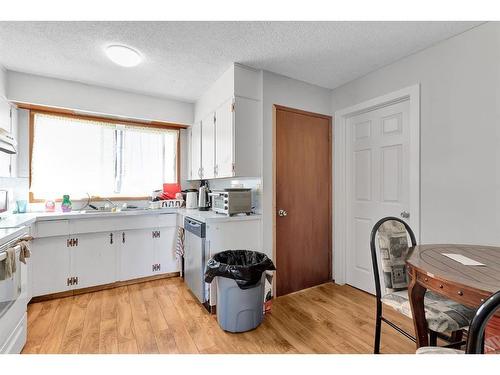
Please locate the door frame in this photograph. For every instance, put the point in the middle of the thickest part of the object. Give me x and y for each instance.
(342, 173)
(330, 188)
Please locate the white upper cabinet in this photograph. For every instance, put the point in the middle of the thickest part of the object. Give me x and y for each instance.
(231, 146)
(224, 140)
(208, 146)
(5, 123)
(195, 151)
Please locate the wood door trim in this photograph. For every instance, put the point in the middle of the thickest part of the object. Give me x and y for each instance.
(276, 108)
(301, 112)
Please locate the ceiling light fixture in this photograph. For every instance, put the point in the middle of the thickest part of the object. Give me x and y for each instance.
(124, 56)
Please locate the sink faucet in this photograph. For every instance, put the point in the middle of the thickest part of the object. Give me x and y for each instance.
(110, 201)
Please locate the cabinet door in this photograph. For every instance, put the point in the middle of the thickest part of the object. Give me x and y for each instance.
(164, 250)
(93, 259)
(50, 258)
(224, 140)
(136, 253)
(208, 146)
(195, 149)
(5, 159)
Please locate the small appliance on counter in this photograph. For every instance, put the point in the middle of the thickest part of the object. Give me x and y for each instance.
(191, 199)
(232, 201)
(203, 198)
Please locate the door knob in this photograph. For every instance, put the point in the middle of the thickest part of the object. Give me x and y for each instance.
(282, 213)
(405, 215)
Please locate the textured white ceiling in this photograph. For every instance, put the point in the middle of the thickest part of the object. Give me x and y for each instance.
(182, 59)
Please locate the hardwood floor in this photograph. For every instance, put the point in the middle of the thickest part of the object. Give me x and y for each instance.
(162, 316)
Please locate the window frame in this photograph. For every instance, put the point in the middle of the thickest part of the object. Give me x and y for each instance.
(33, 110)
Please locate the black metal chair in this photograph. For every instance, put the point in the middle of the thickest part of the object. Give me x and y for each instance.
(475, 337)
(443, 316)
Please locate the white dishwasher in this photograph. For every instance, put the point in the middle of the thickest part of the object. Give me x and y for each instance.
(194, 258)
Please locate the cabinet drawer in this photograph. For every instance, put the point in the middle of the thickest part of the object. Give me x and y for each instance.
(110, 224)
(51, 228)
(167, 220)
(461, 294)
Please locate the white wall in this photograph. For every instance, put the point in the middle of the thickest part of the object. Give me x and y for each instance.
(29, 88)
(460, 131)
(3, 82)
(17, 185)
(287, 92)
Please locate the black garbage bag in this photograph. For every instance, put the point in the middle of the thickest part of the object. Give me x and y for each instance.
(243, 266)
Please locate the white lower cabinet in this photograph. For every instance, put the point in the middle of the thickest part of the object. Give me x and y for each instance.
(135, 253)
(94, 259)
(65, 262)
(164, 255)
(50, 259)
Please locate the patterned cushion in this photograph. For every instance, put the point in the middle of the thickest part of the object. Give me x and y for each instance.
(443, 315)
(393, 247)
(438, 350)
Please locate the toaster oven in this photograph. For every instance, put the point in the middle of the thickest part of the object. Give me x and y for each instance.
(232, 201)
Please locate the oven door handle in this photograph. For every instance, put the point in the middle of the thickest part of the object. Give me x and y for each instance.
(3, 254)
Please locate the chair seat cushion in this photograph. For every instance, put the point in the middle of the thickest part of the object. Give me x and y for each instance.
(438, 350)
(442, 314)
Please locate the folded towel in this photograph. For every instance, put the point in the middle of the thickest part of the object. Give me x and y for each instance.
(8, 265)
(25, 251)
(179, 246)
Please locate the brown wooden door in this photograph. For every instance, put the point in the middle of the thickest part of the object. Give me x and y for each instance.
(303, 190)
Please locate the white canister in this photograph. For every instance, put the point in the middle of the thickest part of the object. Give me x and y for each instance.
(191, 199)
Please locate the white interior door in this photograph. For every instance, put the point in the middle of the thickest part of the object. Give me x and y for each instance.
(378, 151)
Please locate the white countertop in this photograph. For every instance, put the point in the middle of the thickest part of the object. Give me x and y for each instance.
(211, 216)
(22, 220)
(7, 234)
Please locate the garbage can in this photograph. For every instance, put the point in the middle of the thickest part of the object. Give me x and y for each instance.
(240, 287)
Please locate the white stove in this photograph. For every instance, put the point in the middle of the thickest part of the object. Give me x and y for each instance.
(13, 294)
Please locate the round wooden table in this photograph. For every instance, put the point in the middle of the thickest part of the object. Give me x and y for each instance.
(469, 285)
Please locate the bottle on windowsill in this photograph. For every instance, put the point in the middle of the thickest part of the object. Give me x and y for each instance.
(66, 204)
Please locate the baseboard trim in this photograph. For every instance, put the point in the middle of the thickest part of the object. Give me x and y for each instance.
(97, 288)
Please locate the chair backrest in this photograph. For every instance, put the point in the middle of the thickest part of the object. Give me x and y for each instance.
(393, 246)
(475, 339)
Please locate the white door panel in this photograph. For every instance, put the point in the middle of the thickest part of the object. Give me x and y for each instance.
(224, 139)
(94, 259)
(195, 149)
(50, 257)
(378, 186)
(136, 253)
(164, 248)
(208, 146)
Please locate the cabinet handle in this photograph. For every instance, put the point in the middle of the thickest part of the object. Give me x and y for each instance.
(216, 170)
(123, 237)
(111, 238)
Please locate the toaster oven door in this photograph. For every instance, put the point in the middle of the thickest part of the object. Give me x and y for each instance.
(219, 203)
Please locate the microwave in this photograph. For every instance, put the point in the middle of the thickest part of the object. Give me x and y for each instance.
(232, 201)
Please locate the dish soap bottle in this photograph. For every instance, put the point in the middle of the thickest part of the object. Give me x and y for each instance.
(66, 204)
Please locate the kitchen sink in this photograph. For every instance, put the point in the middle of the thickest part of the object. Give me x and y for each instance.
(110, 210)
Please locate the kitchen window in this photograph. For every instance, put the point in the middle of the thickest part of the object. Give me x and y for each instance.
(74, 155)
